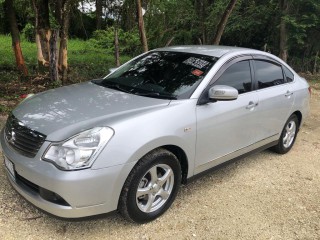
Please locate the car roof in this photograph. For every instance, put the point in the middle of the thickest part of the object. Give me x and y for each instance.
(210, 50)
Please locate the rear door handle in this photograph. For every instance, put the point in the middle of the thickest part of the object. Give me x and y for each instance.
(288, 94)
(251, 105)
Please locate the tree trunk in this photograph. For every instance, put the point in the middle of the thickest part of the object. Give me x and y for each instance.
(58, 9)
(43, 32)
(223, 21)
(201, 7)
(99, 14)
(283, 41)
(15, 37)
(116, 47)
(44, 38)
(169, 42)
(265, 47)
(53, 69)
(41, 60)
(142, 30)
(63, 50)
(315, 63)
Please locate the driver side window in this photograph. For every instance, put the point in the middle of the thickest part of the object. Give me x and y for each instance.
(238, 76)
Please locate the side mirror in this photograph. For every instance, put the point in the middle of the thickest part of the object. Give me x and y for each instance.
(222, 93)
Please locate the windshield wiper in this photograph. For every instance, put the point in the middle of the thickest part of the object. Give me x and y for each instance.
(114, 86)
(156, 95)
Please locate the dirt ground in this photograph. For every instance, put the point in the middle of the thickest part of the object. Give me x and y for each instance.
(264, 196)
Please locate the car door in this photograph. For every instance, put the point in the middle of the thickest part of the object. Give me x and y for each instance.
(225, 128)
(275, 97)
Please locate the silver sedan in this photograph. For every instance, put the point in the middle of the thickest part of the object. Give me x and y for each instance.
(126, 142)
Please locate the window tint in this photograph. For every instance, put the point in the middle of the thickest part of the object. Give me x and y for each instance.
(238, 76)
(268, 74)
(289, 74)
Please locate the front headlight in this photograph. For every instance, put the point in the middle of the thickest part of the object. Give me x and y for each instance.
(79, 151)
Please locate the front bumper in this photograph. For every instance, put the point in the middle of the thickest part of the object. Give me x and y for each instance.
(85, 192)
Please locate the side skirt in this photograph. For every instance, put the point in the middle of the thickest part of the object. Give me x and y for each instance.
(232, 160)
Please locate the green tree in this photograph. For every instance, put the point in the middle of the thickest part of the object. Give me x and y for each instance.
(223, 21)
(15, 35)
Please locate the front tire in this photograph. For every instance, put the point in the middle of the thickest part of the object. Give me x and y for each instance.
(288, 135)
(151, 186)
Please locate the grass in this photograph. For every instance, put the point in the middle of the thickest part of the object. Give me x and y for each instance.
(85, 60)
(7, 57)
(89, 60)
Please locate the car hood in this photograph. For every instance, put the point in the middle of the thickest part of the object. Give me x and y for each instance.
(62, 112)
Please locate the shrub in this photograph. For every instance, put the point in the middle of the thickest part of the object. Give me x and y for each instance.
(29, 32)
(129, 42)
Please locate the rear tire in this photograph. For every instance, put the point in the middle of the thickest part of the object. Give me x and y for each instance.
(151, 186)
(288, 135)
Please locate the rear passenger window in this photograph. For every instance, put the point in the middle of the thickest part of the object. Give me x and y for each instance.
(238, 76)
(289, 74)
(268, 74)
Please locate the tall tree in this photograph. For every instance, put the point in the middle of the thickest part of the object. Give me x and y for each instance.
(172, 19)
(98, 14)
(223, 21)
(53, 68)
(203, 9)
(314, 71)
(142, 30)
(128, 14)
(43, 31)
(15, 35)
(283, 41)
(64, 28)
(116, 47)
(115, 8)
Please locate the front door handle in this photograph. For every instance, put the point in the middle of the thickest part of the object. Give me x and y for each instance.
(251, 105)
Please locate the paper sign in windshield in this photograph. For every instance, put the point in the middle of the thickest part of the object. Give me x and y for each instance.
(197, 72)
(196, 62)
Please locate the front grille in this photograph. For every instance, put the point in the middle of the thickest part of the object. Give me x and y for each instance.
(23, 139)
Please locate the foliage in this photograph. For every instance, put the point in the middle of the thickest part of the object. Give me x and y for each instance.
(83, 25)
(253, 23)
(167, 19)
(3, 22)
(7, 56)
(300, 22)
(128, 41)
(87, 61)
(29, 32)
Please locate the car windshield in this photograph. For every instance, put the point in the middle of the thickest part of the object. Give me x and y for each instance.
(162, 74)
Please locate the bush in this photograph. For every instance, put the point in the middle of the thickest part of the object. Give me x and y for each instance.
(129, 42)
(29, 32)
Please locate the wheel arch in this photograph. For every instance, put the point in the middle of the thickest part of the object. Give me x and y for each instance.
(178, 152)
(182, 157)
(299, 116)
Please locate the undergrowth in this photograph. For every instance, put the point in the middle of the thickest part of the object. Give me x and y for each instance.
(86, 61)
